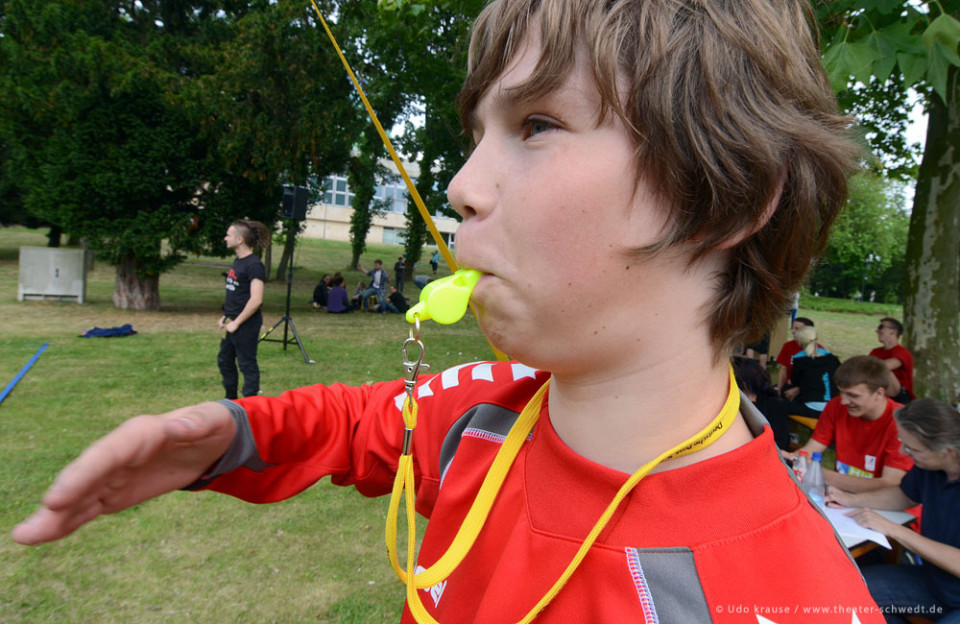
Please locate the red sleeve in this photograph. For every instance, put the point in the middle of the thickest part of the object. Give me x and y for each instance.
(903, 354)
(827, 423)
(355, 435)
(352, 434)
(892, 456)
(783, 358)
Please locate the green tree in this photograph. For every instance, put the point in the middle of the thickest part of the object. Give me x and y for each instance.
(435, 50)
(93, 136)
(916, 43)
(147, 127)
(867, 242)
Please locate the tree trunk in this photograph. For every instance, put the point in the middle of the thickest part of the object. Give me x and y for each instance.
(932, 290)
(268, 257)
(54, 235)
(133, 292)
(287, 256)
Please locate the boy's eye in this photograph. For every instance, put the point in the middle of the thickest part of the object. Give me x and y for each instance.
(535, 125)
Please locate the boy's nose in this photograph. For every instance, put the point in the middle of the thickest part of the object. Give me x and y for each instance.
(471, 191)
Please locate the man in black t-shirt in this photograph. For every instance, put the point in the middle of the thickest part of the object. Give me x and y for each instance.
(241, 318)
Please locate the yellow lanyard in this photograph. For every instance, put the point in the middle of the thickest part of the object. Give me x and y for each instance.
(496, 475)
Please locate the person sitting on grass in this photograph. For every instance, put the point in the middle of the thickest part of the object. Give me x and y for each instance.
(398, 303)
(379, 278)
(357, 300)
(860, 424)
(688, 156)
(929, 432)
(338, 302)
(319, 299)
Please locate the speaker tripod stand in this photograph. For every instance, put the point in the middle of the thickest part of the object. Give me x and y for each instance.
(288, 326)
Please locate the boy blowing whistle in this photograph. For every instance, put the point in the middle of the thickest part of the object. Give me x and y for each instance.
(679, 162)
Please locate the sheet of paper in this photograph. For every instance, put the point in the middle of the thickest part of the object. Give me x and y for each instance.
(848, 527)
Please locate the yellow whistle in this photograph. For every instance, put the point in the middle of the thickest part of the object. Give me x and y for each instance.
(445, 300)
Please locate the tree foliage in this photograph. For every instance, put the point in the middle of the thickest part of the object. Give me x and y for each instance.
(147, 127)
(915, 44)
(866, 249)
(436, 59)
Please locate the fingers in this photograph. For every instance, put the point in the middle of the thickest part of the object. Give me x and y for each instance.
(142, 458)
(127, 445)
(46, 525)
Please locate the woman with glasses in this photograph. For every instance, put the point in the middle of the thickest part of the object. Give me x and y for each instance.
(929, 432)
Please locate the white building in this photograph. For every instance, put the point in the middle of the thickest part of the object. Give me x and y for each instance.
(330, 219)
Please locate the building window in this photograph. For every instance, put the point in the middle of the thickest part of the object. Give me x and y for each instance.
(337, 192)
(393, 192)
(394, 236)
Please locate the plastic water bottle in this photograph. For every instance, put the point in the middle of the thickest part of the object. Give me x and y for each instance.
(813, 484)
(800, 463)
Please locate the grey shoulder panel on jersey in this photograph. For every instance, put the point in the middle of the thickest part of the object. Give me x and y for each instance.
(485, 417)
(668, 577)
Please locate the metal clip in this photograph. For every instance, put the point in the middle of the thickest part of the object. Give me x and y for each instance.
(413, 366)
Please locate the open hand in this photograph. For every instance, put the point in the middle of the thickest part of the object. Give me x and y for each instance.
(142, 458)
(870, 519)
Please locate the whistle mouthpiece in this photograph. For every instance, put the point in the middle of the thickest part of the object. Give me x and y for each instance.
(445, 300)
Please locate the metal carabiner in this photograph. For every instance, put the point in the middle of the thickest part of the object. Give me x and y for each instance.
(413, 366)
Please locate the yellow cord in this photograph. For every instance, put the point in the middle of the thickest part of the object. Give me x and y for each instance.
(473, 523)
(444, 250)
(414, 194)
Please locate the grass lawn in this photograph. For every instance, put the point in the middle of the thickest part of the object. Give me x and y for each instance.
(205, 557)
(191, 557)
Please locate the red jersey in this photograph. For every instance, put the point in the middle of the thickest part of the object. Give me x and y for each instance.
(864, 447)
(700, 543)
(904, 374)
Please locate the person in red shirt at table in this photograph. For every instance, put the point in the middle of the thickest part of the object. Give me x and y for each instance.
(785, 357)
(860, 424)
(897, 358)
(930, 434)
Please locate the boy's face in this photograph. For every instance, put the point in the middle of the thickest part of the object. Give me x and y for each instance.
(862, 403)
(550, 208)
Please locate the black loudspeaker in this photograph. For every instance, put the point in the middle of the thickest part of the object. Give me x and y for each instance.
(294, 203)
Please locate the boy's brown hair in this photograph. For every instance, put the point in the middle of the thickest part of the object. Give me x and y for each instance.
(862, 369)
(731, 114)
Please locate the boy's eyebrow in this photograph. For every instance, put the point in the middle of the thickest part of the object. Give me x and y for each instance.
(503, 99)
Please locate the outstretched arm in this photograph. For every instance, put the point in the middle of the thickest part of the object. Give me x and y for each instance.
(142, 458)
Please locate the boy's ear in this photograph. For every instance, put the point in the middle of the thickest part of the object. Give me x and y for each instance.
(749, 230)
